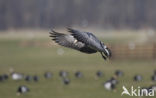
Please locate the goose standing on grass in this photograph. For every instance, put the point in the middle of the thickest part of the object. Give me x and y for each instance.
(84, 42)
(22, 90)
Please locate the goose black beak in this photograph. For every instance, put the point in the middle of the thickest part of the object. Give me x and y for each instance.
(103, 56)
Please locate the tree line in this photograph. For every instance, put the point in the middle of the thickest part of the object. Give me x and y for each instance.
(118, 14)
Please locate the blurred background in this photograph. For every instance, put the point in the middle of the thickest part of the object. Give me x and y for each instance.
(128, 27)
(105, 14)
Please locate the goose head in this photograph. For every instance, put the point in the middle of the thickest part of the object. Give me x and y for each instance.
(106, 52)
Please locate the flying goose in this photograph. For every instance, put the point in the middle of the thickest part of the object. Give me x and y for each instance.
(84, 42)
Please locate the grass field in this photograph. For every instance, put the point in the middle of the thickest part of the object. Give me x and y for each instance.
(28, 56)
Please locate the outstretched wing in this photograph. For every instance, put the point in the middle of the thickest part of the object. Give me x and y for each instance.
(85, 37)
(70, 42)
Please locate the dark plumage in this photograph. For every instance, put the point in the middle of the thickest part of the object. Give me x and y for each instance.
(114, 81)
(84, 42)
(36, 78)
(99, 73)
(118, 73)
(63, 74)
(28, 78)
(66, 81)
(22, 89)
(78, 74)
(153, 78)
(48, 75)
(138, 78)
(1, 78)
(5, 76)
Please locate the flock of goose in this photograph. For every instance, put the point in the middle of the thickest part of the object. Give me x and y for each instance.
(109, 84)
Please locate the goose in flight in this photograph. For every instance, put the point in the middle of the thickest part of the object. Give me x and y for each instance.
(84, 42)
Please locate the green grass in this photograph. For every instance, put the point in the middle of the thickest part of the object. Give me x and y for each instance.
(35, 60)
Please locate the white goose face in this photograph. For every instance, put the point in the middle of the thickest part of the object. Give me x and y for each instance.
(107, 51)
